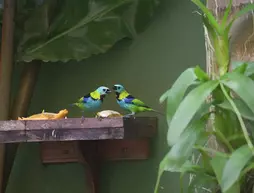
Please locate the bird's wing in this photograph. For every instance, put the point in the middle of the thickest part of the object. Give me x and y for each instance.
(85, 98)
(132, 100)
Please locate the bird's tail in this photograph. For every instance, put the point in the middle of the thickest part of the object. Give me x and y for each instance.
(158, 112)
(73, 104)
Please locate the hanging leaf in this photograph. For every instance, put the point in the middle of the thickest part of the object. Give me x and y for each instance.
(205, 160)
(243, 86)
(175, 94)
(54, 30)
(241, 69)
(249, 71)
(188, 108)
(202, 183)
(226, 14)
(242, 107)
(242, 12)
(201, 75)
(234, 166)
(218, 163)
(214, 24)
(179, 153)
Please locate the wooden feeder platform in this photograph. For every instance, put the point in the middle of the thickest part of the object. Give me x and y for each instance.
(89, 141)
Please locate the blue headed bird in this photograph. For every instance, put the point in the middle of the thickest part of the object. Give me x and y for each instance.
(129, 102)
(93, 100)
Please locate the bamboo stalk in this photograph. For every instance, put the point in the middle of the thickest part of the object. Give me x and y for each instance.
(6, 66)
(20, 108)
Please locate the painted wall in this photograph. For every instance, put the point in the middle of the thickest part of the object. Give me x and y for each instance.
(147, 67)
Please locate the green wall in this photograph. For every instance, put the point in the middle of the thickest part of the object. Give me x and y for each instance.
(147, 67)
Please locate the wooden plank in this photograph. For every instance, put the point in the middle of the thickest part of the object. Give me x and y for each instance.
(73, 129)
(12, 131)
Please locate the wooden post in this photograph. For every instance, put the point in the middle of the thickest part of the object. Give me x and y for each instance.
(6, 66)
(26, 87)
(20, 107)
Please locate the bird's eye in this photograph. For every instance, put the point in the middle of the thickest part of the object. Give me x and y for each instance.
(118, 88)
(104, 90)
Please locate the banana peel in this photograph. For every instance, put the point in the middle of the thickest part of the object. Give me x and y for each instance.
(46, 116)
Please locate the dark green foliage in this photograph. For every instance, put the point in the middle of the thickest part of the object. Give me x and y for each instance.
(53, 30)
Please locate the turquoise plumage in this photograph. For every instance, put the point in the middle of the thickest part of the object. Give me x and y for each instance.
(129, 102)
(93, 100)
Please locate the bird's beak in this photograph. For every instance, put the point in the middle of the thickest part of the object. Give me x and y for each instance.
(108, 91)
(114, 88)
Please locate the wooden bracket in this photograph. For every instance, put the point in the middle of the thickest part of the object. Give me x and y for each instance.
(92, 153)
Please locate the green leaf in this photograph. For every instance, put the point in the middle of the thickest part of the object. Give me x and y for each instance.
(218, 163)
(234, 166)
(210, 29)
(249, 70)
(235, 64)
(202, 180)
(188, 108)
(243, 86)
(181, 151)
(201, 75)
(225, 16)
(206, 160)
(241, 69)
(242, 107)
(238, 114)
(175, 95)
(211, 151)
(209, 15)
(243, 11)
(63, 30)
(188, 167)
(203, 112)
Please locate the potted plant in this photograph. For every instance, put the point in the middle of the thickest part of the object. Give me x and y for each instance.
(199, 108)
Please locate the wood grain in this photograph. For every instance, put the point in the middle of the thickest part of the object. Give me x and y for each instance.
(73, 129)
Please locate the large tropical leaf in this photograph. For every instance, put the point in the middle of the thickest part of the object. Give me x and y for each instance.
(242, 107)
(234, 166)
(181, 151)
(188, 108)
(176, 93)
(242, 85)
(52, 30)
(218, 163)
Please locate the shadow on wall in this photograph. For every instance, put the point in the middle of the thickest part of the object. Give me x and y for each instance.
(147, 67)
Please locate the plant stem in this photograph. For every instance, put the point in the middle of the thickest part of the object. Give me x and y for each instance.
(156, 189)
(223, 139)
(238, 114)
(210, 150)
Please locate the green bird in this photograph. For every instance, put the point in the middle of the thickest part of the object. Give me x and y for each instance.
(129, 102)
(93, 100)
